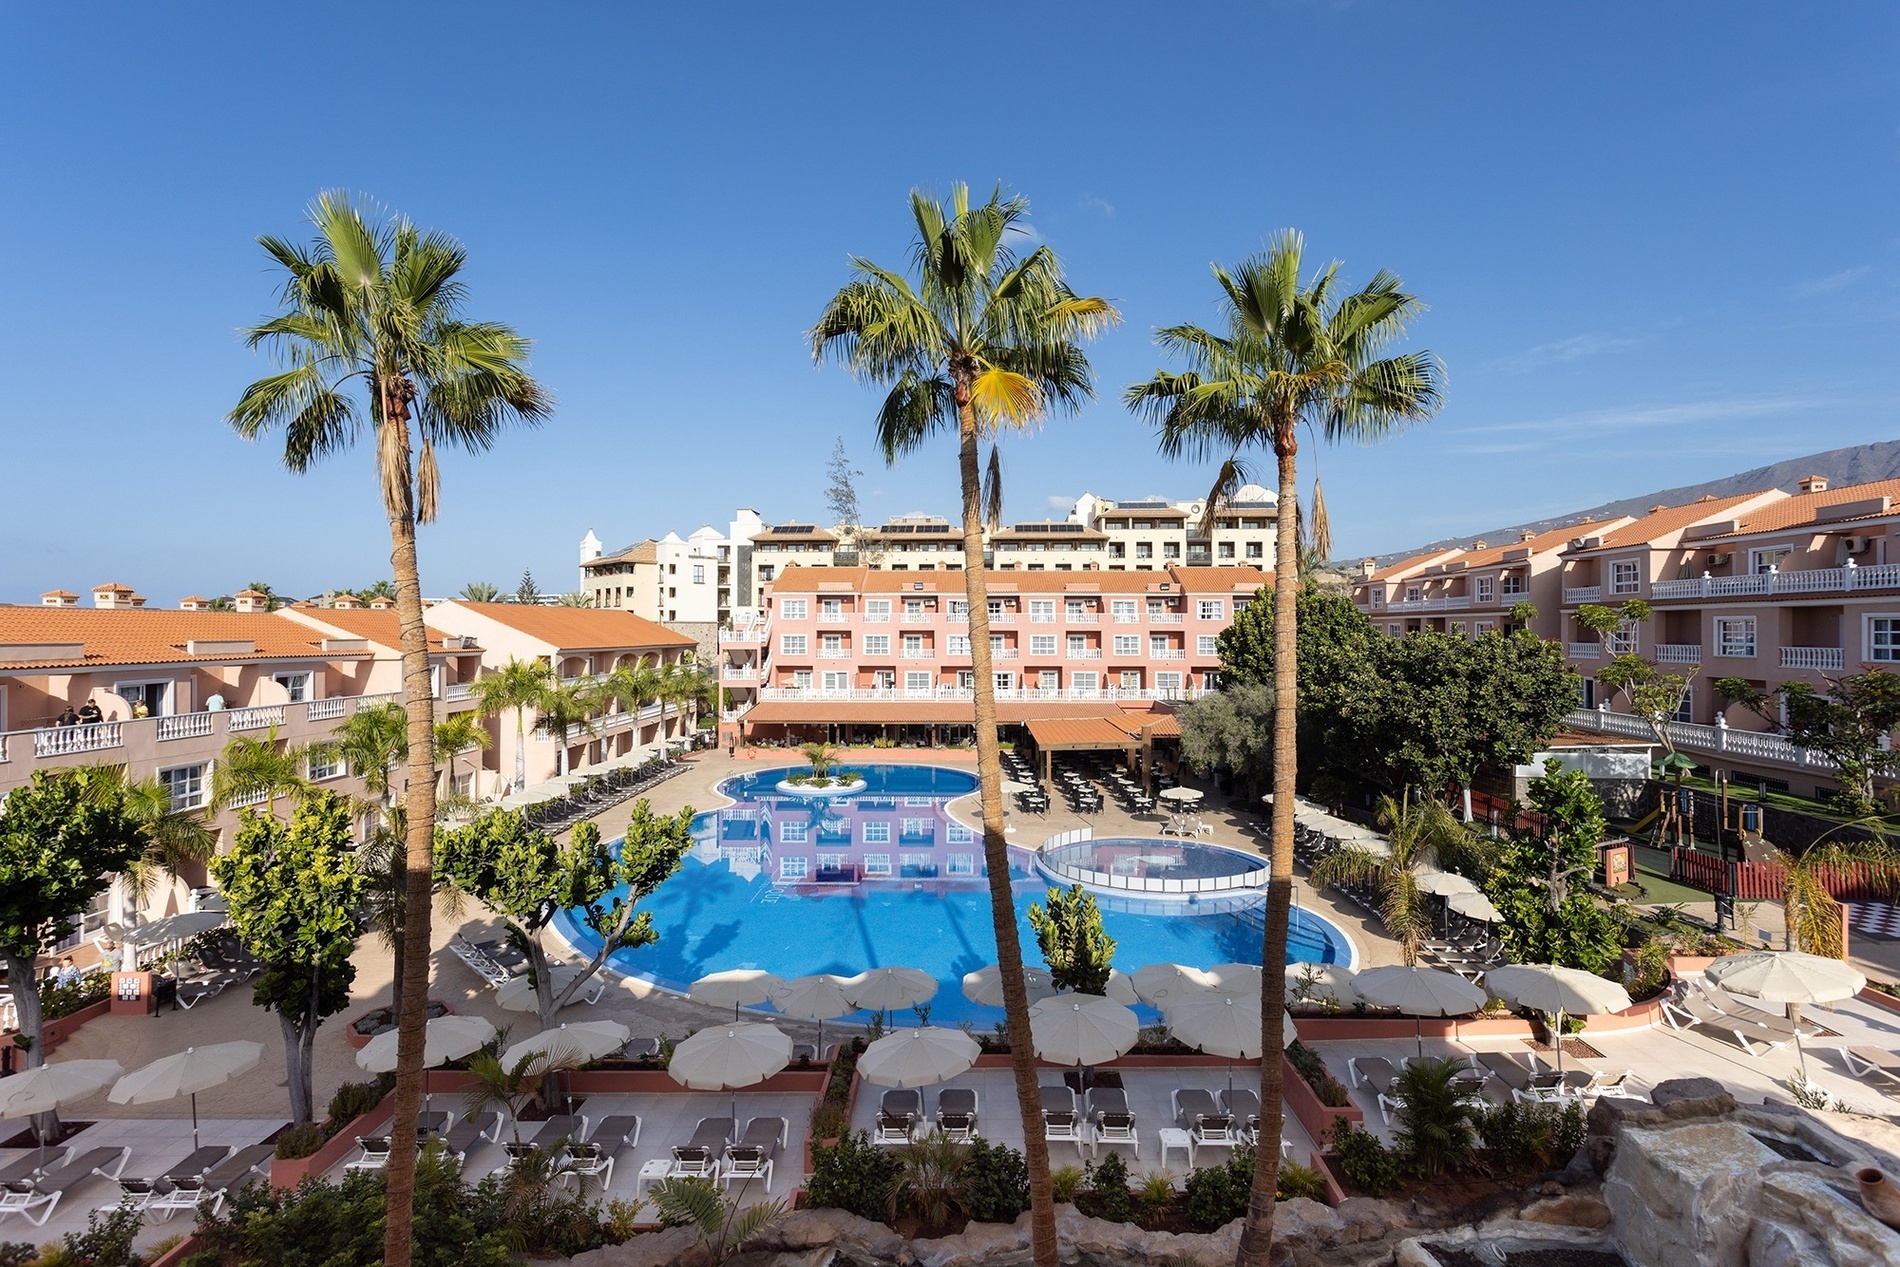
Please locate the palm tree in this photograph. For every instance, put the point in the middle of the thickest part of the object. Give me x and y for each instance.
(564, 706)
(982, 341)
(481, 592)
(1423, 835)
(174, 837)
(1813, 915)
(686, 685)
(264, 767)
(455, 735)
(576, 598)
(1290, 354)
(374, 741)
(518, 684)
(371, 333)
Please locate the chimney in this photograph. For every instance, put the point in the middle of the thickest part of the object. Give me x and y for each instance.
(1813, 484)
(345, 602)
(59, 598)
(1478, 544)
(1526, 535)
(1657, 509)
(113, 596)
(1367, 567)
(194, 603)
(249, 600)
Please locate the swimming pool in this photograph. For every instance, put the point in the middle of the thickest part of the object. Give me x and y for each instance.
(887, 877)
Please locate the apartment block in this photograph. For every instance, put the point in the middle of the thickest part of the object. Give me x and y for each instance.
(1148, 535)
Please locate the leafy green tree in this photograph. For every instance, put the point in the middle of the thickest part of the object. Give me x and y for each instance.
(1437, 1124)
(266, 767)
(1420, 835)
(683, 685)
(527, 877)
(294, 892)
(1538, 884)
(272, 600)
(1232, 729)
(374, 741)
(517, 685)
(1852, 722)
(371, 332)
(981, 341)
(1079, 952)
(62, 837)
(1338, 682)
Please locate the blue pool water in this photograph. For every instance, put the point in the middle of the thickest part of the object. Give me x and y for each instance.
(886, 877)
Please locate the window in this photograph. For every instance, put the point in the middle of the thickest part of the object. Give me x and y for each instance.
(1087, 681)
(1078, 646)
(793, 609)
(1167, 682)
(1143, 550)
(959, 644)
(1623, 578)
(793, 868)
(1042, 644)
(1685, 711)
(1413, 593)
(324, 763)
(955, 833)
(1768, 558)
(1486, 626)
(996, 644)
(878, 864)
(831, 645)
(1735, 636)
(917, 683)
(1883, 638)
(880, 644)
(1622, 641)
(699, 573)
(1206, 645)
(1512, 584)
(1005, 682)
(1048, 679)
(791, 644)
(959, 609)
(1077, 610)
(1210, 681)
(1211, 608)
(766, 572)
(914, 646)
(1124, 611)
(966, 679)
(1042, 611)
(1158, 646)
(791, 832)
(1127, 644)
(1131, 679)
(830, 609)
(1486, 588)
(919, 829)
(296, 686)
(837, 680)
(884, 680)
(186, 783)
(801, 679)
(962, 864)
(1226, 549)
(877, 611)
(913, 607)
(1254, 550)
(1392, 631)
(1457, 629)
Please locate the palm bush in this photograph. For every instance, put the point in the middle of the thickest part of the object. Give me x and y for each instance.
(929, 1180)
(722, 1226)
(1437, 1124)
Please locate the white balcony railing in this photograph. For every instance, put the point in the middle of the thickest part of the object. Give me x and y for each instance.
(1127, 618)
(1582, 593)
(1005, 653)
(923, 653)
(1717, 738)
(740, 673)
(325, 709)
(1085, 618)
(258, 718)
(877, 618)
(1042, 618)
(1002, 618)
(1444, 602)
(834, 653)
(183, 726)
(460, 691)
(1813, 658)
(1584, 650)
(1087, 653)
(834, 618)
(1839, 580)
(1679, 653)
(64, 740)
(1165, 618)
(920, 618)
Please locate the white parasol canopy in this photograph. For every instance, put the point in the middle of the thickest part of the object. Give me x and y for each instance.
(517, 993)
(1475, 906)
(1222, 1024)
(1327, 981)
(1157, 982)
(886, 989)
(445, 1038)
(1788, 976)
(1121, 988)
(985, 985)
(1185, 795)
(1238, 978)
(1082, 1029)
(729, 1056)
(918, 1057)
(585, 1040)
(1443, 883)
(174, 928)
(735, 988)
(1559, 991)
(187, 1072)
(48, 1087)
(1419, 992)
(818, 997)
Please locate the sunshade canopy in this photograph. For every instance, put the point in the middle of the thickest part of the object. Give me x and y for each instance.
(1419, 991)
(985, 985)
(187, 1072)
(725, 1057)
(583, 1040)
(884, 989)
(47, 1088)
(1552, 988)
(818, 997)
(918, 1057)
(738, 987)
(1082, 1029)
(1787, 976)
(517, 994)
(445, 1038)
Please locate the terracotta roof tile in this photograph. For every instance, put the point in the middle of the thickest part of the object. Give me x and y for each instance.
(1675, 518)
(1804, 509)
(379, 626)
(578, 628)
(150, 635)
(1056, 733)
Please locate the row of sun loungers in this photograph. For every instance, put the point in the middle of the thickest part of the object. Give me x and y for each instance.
(1701, 1007)
(496, 962)
(1494, 1076)
(715, 1152)
(34, 1191)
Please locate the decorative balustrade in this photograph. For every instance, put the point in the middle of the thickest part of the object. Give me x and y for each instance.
(963, 693)
(1086, 653)
(1443, 602)
(1583, 650)
(1002, 618)
(1720, 737)
(1166, 618)
(460, 691)
(1171, 653)
(1085, 618)
(1813, 658)
(1839, 580)
(64, 740)
(1679, 653)
(919, 653)
(1583, 593)
(325, 709)
(834, 653)
(259, 718)
(920, 618)
(183, 726)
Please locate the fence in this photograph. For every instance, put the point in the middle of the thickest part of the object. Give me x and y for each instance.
(1767, 881)
(1055, 866)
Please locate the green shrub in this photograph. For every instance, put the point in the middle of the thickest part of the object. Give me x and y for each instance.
(1065, 1180)
(1331, 1091)
(1108, 1180)
(1157, 1190)
(1217, 1195)
(106, 1242)
(996, 1182)
(853, 1174)
(18, 1253)
(63, 1000)
(300, 1141)
(1521, 1139)
(1300, 1181)
(1364, 1161)
(828, 1121)
(353, 1099)
(1436, 1126)
(929, 1179)
(1652, 969)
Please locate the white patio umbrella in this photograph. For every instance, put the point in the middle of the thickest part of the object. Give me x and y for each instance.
(1554, 989)
(1788, 976)
(586, 1040)
(727, 1057)
(918, 1057)
(818, 997)
(1421, 992)
(1223, 1024)
(1157, 982)
(1121, 988)
(517, 993)
(985, 985)
(735, 988)
(1443, 883)
(1475, 906)
(48, 1087)
(1082, 1029)
(1185, 795)
(1238, 978)
(187, 1072)
(1322, 980)
(444, 1038)
(887, 989)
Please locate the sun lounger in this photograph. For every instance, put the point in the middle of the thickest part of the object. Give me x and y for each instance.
(187, 1175)
(752, 1157)
(897, 1115)
(1776, 1023)
(374, 1154)
(23, 1196)
(1864, 1062)
(33, 1163)
(1113, 1123)
(1696, 1015)
(1526, 1085)
(1206, 1123)
(698, 1158)
(562, 1126)
(190, 1191)
(468, 1132)
(956, 1113)
(434, 1122)
(594, 1158)
(1061, 1123)
(1245, 1106)
(1372, 1071)
(195, 990)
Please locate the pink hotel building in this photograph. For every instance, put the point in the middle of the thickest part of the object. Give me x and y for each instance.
(839, 648)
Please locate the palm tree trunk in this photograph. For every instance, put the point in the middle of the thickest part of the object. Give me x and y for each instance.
(989, 772)
(1256, 1238)
(419, 858)
(521, 751)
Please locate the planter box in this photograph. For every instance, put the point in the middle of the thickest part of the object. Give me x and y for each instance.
(177, 1253)
(1335, 1193)
(288, 1172)
(1878, 999)
(53, 1033)
(1302, 1102)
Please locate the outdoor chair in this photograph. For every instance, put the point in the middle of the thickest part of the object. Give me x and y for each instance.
(1532, 1085)
(43, 1192)
(1602, 1082)
(698, 1158)
(562, 1126)
(195, 990)
(1372, 1071)
(375, 1154)
(897, 1115)
(32, 1164)
(1245, 1107)
(467, 1133)
(1696, 1015)
(1206, 1124)
(1061, 1123)
(956, 1113)
(1776, 1023)
(1113, 1123)
(594, 1159)
(753, 1156)
(188, 1187)
(1869, 1062)
(434, 1122)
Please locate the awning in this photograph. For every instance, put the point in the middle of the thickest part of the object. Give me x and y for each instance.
(1158, 725)
(1071, 734)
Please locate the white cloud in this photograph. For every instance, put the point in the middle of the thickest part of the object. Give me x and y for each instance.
(1059, 504)
(1833, 281)
(1574, 348)
(1099, 204)
(1727, 409)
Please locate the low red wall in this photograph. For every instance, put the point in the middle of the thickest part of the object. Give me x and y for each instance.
(1303, 1103)
(288, 1172)
(1334, 1193)
(1879, 999)
(53, 1033)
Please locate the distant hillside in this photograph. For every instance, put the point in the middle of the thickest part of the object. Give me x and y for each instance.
(1858, 464)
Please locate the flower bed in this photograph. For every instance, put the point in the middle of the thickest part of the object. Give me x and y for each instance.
(381, 1020)
(821, 785)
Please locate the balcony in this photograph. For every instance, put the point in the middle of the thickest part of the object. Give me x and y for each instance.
(256, 718)
(877, 618)
(1813, 658)
(1127, 618)
(1442, 603)
(1042, 618)
(1841, 580)
(1720, 737)
(1002, 618)
(1084, 618)
(1004, 653)
(919, 653)
(1583, 593)
(920, 618)
(324, 709)
(834, 617)
(1167, 653)
(460, 691)
(1678, 653)
(1165, 618)
(739, 673)
(748, 636)
(834, 653)
(183, 726)
(1086, 653)
(1584, 650)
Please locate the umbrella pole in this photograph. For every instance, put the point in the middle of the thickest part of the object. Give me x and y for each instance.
(1794, 1018)
(1558, 1038)
(1418, 1034)
(194, 1121)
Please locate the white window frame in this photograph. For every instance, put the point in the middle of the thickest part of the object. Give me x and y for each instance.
(196, 778)
(1131, 679)
(1763, 559)
(958, 644)
(699, 573)
(955, 833)
(1158, 645)
(793, 644)
(1211, 608)
(1005, 681)
(876, 831)
(801, 679)
(325, 762)
(297, 685)
(1736, 637)
(1048, 679)
(1127, 644)
(794, 868)
(877, 644)
(831, 642)
(1487, 588)
(1041, 645)
(877, 611)
(877, 864)
(1207, 644)
(1880, 646)
(830, 608)
(1167, 681)
(1124, 611)
(1085, 680)
(1042, 611)
(1512, 584)
(1634, 585)
(917, 681)
(836, 679)
(960, 864)
(794, 609)
(793, 832)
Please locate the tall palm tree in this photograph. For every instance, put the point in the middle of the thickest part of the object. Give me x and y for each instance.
(454, 735)
(374, 741)
(518, 684)
(564, 706)
(687, 686)
(1420, 836)
(371, 334)
(1290, 353)
(264, 767)
(981, 341)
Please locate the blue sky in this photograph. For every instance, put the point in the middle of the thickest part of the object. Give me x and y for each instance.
(1657, 243)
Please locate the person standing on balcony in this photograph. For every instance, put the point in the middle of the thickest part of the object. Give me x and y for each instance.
(67, 717)
(89, 714)
(139, 709)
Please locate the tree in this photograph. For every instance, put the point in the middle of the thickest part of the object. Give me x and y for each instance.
(373, 742)
(1852, 722)
(294, 891)
(372, 332)
(1079, 952)
(1232, 729)
(575, 598)
(564, 707)
(525, 592)
(683, 685)
(980, 341)
(1338, 679)
(1289, 354)
(250, 767)
(62, 838)
(481, 592)
(174, 837)
(1813, 915)
(527, 877)
(1549, 915)
(841, 489)
(518, 684)
(272, 601)
(1420, 835)
(454, 735)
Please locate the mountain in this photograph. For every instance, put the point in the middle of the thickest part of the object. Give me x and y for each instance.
(1857, 464)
